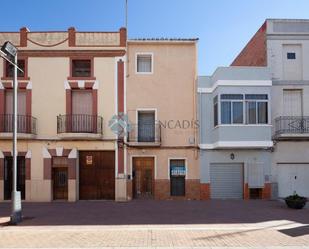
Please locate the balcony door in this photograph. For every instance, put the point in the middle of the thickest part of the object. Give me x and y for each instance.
(292, 103)
(21, 110)
(146, 126)
(82, 116)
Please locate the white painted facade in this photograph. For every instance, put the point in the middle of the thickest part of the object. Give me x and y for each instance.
(288, 60)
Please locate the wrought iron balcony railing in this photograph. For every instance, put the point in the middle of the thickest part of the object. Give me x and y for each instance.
(25, 124)
(293, 125)
(79, 123)
(145, 133)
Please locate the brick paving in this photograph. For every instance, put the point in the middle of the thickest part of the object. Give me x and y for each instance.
(157, 224)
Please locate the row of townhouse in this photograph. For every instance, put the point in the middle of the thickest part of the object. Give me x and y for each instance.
(73, 93)
(240, 133)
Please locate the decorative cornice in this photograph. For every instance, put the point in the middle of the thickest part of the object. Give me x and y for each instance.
(237, 144)
(246, 83)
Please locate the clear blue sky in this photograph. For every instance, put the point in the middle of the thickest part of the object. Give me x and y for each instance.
(223, 26)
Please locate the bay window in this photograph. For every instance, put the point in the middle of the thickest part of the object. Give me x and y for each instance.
(232, 109)
(216, 111)
(256, 108)
(240, 109)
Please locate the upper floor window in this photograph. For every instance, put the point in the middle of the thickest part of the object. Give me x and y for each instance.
(146, 126)
(144, 63)
(21, 102)
(9, 69)
(256, 108)
(216, 111)
(291, 56)
(241, 109)
(232, 109)
(81, 68)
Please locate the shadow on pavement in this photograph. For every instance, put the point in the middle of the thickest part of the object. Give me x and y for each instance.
(296, 232)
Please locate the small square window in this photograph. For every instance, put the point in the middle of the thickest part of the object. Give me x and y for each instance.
(9, 70)
(81, 68)
(144, 63)
(291, 56)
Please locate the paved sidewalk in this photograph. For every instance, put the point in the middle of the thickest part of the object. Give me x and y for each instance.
(176, 224)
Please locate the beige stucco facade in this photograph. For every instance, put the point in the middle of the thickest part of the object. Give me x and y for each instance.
(168, 91)
(48, 58)
(116, 87)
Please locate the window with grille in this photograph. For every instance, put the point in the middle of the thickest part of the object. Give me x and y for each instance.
(9, 69)
(81, 68)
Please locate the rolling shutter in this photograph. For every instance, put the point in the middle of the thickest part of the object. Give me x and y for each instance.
(226, 181)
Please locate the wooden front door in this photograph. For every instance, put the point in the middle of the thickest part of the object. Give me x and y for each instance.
(60, 183)
(143, 177)
(8, 176)
(97, 175)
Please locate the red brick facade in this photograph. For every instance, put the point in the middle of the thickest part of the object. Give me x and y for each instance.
(255, 52)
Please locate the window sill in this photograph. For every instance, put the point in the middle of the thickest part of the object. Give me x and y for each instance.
(18, 78)
(9, 135)
(141, 73)
(241, 125)
(81, 78)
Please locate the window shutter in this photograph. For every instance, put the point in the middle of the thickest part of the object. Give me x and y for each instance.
(82, 102)
(21, 102)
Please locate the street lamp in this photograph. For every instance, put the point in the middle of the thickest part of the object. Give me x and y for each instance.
(9, 53)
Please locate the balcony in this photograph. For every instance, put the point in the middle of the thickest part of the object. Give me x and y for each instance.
(292, 127)
(26, 125)
(80, 126)
(145, 135)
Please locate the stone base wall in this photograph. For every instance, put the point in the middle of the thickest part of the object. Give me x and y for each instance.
(205, 191)
(266, 192)
(193, 191)
(163, 190)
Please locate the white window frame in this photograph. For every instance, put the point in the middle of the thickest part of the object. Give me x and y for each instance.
(256, 110)
(245, 113)
(232, 118)
(152, 62)
(177, 158)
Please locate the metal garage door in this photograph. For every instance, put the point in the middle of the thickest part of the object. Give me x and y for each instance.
(293, 177)
(226, 181)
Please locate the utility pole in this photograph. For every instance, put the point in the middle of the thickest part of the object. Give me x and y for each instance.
(9, 53)
(126, 14)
